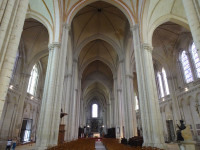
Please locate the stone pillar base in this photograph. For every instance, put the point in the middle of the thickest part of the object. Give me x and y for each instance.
(39, 148)
(187, 145)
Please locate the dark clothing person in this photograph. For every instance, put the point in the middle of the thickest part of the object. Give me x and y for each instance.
(9, 143)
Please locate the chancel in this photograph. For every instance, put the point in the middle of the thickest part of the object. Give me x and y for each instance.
(104, 74)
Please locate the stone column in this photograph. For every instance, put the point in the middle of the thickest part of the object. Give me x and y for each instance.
(151, 118)
(172, 90)
(46, 123)
(67, 105)
(108, 115)
(134, 127)
(120, 113)
(193, 21)
(11, 49)
(112, 112)
(130, 105)
(51, 104)
(115, 103)
(8, 12)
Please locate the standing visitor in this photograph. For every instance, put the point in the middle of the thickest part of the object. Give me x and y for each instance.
(9, 143)
(14, 144)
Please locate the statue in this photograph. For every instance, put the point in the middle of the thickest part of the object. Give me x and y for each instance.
(181, 127)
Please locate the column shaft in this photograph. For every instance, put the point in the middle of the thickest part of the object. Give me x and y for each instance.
(151, 118)
(11, 51)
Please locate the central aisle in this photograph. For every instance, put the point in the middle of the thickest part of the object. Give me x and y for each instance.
(99, 145)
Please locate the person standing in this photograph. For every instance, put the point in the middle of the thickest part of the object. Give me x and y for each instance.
(14, 144)
(9, 143)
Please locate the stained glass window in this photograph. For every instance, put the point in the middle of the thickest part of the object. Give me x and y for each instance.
(160, 85)
(94, 110)
(33, 80)
(165, 81)
(186, 67)
(196, 59)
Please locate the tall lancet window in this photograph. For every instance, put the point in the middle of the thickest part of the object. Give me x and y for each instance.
(196, 59)
(33, 80)
(94, 111)
(160, 85)
(165, 81)
(186, 67)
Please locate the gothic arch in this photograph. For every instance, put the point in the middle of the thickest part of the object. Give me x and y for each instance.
(94, 81)
(119, 4)
(164, 19)
(95, 37)
(92, 60)
(44, 21)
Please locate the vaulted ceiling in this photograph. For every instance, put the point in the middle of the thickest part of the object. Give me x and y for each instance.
(99, 18)
(35, 39)
(44, 8)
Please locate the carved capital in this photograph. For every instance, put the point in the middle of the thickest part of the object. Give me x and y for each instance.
(129, 76)
(135, 27)
(54, 45)
(146, 46)
(66, 26)
(119, 90)
(69, 75)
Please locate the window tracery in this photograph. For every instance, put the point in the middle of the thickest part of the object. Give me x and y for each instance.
(196, 59)
(33, 80)
(186, 67)
(162, 84)
(94, 111)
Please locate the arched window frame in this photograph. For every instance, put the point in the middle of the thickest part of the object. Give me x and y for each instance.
(97, 110)
(32, 85)
(191, 62)
(162, 83)
(182, 68)
(196, 75)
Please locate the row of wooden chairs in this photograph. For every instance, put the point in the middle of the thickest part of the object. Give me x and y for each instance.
(80, 144)
(113, 144)
(136, 141)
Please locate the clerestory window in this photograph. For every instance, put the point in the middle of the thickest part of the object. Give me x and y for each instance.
(33, 81)
(94, 111)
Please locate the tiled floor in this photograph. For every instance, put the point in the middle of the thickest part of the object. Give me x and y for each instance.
(98, 146)
(25, 147)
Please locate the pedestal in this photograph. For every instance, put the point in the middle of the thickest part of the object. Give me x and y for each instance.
(189, 145)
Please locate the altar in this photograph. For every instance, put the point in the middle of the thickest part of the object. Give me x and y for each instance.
(96, 134)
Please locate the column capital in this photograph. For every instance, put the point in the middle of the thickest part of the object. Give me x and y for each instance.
(119, 90)
(129, 76)
(66, 26)
(135, 27)
(53, 45)
(69, 75)
(147, 46)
